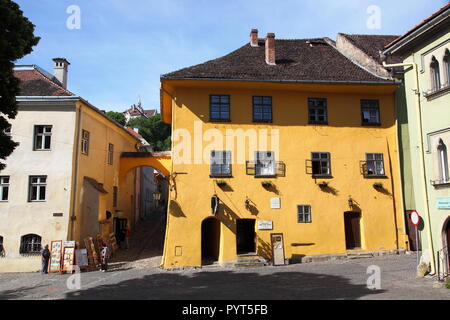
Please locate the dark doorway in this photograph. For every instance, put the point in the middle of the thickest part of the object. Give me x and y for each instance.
(447, 233)
(245, 236)
(210, 240)
(119, 225)
(352, 230)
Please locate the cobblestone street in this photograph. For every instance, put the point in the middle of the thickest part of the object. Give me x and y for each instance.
(331, 280)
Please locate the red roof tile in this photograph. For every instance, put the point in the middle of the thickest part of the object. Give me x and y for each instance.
(35, 83)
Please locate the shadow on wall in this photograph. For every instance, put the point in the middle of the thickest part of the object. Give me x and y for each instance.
(264, 249)
(175, 209)
(229, 285)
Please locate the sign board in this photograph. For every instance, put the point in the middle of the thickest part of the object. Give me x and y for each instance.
(443, 203)
(55, 256)
(82, 257)
(275, 203)
(415, 218)
(70, 244)
(265, 225)
(68, 259)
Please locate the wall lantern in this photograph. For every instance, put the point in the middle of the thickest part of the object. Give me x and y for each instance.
(247, 204)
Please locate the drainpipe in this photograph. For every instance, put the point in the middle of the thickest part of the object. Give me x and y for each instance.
(422, 155)
(72, 217)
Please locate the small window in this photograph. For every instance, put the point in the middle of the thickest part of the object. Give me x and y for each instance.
(370, 112)
(321, 163)
(443, 162)
(374, 164)
(317, 109)
(219, 108)
(262, 109)
(304, 214)
(110, 153)
(38, 188)
(265, 163)
(4, 188)
(435, 75)
(42, 137)
(447, 67)
(220, 163)
(30, 244)
(85, 142)
(115, 195)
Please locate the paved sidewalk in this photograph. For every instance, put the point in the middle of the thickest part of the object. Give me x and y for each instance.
(331, 280)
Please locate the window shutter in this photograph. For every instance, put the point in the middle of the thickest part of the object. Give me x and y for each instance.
(308, 166)
(281, 169)
(250, 168)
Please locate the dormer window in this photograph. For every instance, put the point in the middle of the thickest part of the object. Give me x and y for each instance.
(435, 75)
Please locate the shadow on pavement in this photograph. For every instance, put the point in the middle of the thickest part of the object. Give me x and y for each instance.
(229, 285)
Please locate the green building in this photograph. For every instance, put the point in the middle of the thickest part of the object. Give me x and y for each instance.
(425, 131)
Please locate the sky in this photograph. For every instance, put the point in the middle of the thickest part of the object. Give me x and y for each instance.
(118, 49)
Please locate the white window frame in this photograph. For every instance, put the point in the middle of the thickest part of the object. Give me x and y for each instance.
(369, 106)
(110, 153)
(376, 164)
(221, 160)
(314, 105)
(320, 159)
(42, 137)
(4, 185)
(41, 188)
(306, 215)
(265, 164)
(85, 137)
(443, 162)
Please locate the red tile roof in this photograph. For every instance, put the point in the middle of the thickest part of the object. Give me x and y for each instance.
(134, 133)
(35, 83)
(296, 60)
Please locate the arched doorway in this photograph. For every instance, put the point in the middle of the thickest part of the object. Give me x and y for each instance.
(446, 242)
(210, 240)
(352, 221)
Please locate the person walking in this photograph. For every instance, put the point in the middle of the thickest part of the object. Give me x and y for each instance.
(104, 255)
(45, 254)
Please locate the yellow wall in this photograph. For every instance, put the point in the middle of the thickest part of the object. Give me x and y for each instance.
(95, 165)
(343, 137)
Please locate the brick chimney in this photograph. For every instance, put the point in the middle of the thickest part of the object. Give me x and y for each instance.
(270, 49)
(254, 38)
(60, 70)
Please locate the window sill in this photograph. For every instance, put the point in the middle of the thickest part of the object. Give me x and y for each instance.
(266, 176)
(262, 121)
(440, 184)
(437, 93)
(220, 176)
(42, 149)
(318, 123)
(220, 120)
(375, 176)
(368, 124)
(33, 201)
(322, 176)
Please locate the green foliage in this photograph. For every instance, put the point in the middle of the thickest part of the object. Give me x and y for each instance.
(117, 116)
(16, 40)
(152, 129)
(447, 284)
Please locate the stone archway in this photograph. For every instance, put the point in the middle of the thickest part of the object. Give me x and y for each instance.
(161, 161)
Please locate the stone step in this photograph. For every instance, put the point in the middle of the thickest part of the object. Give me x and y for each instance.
(250, 261)
(359, 255)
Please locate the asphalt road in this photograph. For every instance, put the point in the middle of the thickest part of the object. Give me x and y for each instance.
(329, 280)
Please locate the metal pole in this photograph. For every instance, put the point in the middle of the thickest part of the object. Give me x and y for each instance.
(417, 243)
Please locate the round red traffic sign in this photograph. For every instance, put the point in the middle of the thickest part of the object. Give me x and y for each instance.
(415, 218)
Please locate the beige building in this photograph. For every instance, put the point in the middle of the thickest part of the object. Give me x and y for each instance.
(62, 181)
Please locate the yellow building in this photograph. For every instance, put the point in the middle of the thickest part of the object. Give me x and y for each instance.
(62, 181)
(281, 149)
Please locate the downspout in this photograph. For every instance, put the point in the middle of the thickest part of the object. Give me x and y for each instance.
(422, 155)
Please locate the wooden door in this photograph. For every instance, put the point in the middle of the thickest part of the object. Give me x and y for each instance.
(352, 230)
(277, 249)
(448, 244)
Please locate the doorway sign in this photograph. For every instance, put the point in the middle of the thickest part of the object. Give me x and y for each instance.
(265, 225)
(415, 218)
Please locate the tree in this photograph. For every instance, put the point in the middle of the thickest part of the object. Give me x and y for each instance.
(16, 40)
(117, 116)
(152, 129)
